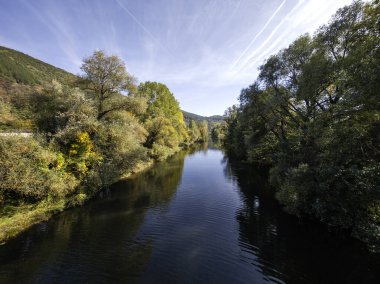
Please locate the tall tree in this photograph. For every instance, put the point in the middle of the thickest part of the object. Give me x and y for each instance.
(203, 129)
(313, 116)
(106, 76)
(163, 119)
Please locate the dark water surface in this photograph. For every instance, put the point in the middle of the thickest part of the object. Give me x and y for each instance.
(196, 218)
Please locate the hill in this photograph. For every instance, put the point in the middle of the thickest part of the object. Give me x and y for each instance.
(21, 68)
(22, 76)
(188, 116)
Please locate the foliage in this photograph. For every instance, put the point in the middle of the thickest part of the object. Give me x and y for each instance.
(106, 76)
(203, 131)
(219, 131)
(163, 120)
(57, 106)
(195, 134)
(31, 171)
(88, 133)
(313, 115)
(119, 141)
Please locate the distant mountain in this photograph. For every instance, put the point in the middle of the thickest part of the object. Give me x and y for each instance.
(188, 116)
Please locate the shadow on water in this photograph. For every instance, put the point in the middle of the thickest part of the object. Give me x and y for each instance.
(199, 217)
(97, 242)
(286, 249)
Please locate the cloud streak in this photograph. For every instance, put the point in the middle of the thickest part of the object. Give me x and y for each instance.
(145, 29)
(246, 63)
(61, 31)
(204, 51)
(259, 33)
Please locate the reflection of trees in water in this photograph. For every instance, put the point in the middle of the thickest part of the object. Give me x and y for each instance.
(156, 185)
(97, 241)
(281, 247)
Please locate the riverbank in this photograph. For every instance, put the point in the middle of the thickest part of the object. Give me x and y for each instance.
(15, 219)
(88, 133)
(196, 217)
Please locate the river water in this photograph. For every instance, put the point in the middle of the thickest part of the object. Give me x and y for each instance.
(196, 218)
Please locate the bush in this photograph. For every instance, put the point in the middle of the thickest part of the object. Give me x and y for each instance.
(32, 171)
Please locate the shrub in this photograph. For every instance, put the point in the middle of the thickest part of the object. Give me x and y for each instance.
(32, 171)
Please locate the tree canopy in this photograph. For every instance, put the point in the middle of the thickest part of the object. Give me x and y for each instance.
(106, 77)
(313, 116)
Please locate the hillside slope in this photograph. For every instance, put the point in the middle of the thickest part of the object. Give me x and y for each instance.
(22, 76)
(21, 68)
(188, 116)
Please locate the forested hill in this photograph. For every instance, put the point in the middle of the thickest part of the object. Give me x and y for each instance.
(21, 68)
(21, 78)
(188, 116)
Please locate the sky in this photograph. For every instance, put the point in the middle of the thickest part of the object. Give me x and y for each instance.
(205, 51)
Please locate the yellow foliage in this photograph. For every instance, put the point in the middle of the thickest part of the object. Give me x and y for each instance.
(374, 211)
(82, 153)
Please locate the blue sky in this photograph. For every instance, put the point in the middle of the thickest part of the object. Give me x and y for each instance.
(205, 51)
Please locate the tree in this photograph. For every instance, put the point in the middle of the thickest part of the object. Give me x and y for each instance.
(313, 117)
(203, 129)
(58, 107)
(218, 132)
(106, 76)
(163, 118)
(194, 131)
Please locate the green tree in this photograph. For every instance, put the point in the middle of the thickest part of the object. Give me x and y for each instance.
(31, 171)
(106, 77)
(58, 106)
(313, 116)
(163, 119)
(194, 132)
(218, 132)
(203, 130)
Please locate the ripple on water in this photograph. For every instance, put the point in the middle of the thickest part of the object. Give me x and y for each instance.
(197, 219)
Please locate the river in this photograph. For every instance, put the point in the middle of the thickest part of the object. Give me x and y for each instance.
(196, 218)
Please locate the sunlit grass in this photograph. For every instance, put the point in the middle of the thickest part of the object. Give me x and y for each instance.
(15, 219)
(18, 217)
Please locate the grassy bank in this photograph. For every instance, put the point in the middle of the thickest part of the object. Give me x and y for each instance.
(17, 218)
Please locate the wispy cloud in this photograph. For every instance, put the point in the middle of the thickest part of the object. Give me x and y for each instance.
(52, 20)
(305, 17)
(143, 27)
(205, 51)
(257, 52)
(259, 33)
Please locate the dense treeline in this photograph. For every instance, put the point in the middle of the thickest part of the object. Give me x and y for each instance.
(88, 134)
(313, 117)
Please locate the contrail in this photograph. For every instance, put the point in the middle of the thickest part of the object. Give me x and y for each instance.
(271, 35)
(260, 32)
(140, 24)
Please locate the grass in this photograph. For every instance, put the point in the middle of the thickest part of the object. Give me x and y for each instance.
(17, 218)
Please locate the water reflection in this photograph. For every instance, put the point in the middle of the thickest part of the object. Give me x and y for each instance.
(97, 242)
(197, 218)
(287, 250)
